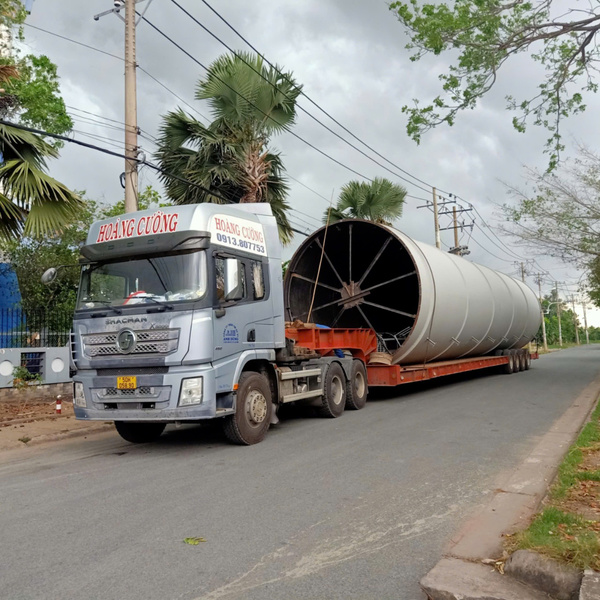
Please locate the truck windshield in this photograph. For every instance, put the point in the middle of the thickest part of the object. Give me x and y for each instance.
(169, 279)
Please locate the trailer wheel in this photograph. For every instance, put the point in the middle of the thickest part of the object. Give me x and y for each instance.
(334, 396)
(519, 360)
(527, 361)
(253, 409)
(357, 388)
(509, 367)
(139, 433)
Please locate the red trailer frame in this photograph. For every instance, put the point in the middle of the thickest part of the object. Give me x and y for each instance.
(363, 342)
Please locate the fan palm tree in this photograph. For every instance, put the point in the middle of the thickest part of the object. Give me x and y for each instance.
(230, 157)
(31, 202)
(380, 201)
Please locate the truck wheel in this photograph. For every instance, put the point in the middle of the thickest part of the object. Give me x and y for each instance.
(334, 392)
(253, 408)
(527, 360)
(139, 433)
(509, 367)
(357, 389)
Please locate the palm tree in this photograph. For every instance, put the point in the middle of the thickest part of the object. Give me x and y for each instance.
(380, 201)
(31, 202)
(230, 157)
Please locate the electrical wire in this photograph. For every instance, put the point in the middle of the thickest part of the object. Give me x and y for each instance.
(240, 57)
(312, 101)
(284, 127)
(157, 168)
(140, 68)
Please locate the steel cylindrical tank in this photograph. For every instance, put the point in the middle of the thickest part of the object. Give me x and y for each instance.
(425, 304)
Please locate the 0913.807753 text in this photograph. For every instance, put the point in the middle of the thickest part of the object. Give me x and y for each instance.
(233, 241)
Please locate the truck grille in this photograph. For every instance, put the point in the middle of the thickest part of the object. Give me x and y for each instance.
(148, 341)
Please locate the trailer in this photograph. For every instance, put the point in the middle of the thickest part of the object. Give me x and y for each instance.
(182, 316)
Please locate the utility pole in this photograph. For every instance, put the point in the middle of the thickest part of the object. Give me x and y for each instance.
(131, 141)
(558, 314)
(455, 226)
(438, 240)
(539, 282)
(575, 321)
(587, 333)
(457, 250)
(131, 127)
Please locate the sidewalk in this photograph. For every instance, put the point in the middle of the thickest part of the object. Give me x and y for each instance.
(28, 424)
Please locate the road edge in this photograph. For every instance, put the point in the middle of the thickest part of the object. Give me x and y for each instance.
(509, 509)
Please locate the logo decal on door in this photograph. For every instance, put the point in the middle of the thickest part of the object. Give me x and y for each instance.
(231, 334)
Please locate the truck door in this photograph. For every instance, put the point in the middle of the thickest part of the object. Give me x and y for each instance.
(243, 317)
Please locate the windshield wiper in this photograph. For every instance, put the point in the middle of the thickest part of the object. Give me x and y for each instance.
(163, 305)
(116, 309)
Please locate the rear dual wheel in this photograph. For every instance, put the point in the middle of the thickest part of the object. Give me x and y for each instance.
(334, 392)
(357, 388)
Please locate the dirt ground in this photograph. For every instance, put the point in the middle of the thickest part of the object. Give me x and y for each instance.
(26, 423)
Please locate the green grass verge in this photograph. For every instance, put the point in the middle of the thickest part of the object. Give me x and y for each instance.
(563, 536)
(560, 534)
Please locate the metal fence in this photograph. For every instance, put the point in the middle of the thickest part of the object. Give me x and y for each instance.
(38, 328)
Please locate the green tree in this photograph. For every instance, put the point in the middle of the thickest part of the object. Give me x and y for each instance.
(380, 201)
(482, 36)
(230, 157)
(32, 94)
(31, 202)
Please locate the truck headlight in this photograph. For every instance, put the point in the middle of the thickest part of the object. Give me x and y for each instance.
(191, 391)
(78, 395)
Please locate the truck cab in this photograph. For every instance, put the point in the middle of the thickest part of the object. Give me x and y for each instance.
(173, 306)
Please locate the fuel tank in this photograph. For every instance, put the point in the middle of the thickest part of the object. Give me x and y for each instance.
(425, 305)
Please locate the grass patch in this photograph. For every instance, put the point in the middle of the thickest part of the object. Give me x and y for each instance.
(563, 536)
(559, 531)
(569, 472)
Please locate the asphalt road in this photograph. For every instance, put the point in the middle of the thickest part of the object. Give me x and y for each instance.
(359, 507)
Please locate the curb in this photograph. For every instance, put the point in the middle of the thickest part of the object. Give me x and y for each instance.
(460, 574)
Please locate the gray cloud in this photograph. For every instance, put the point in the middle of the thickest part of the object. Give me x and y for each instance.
(350, 57)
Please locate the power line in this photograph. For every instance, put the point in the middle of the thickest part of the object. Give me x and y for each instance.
(73, 41)
(64, 138)
(312, 101)
(286, 128)
(289, 98)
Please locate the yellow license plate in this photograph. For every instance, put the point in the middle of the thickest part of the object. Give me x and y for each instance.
(127, 382)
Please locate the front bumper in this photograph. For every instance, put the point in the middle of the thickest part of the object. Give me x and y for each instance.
(154, 399)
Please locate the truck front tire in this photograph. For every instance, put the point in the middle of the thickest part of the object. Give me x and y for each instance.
(139, 433)
(253, 409)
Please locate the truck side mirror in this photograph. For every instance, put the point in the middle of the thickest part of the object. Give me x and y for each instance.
(234, 279)
(49, 276)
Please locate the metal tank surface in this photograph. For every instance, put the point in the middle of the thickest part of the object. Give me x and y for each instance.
(426, 305)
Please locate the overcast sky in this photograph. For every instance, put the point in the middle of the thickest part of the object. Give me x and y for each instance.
(349, 55)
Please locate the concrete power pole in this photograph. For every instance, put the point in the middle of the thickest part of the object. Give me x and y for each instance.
(131, 129)
(587, 333)
(575, 321)
(438, 240)
(455, 223)
(558, 314)
(539, 282)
